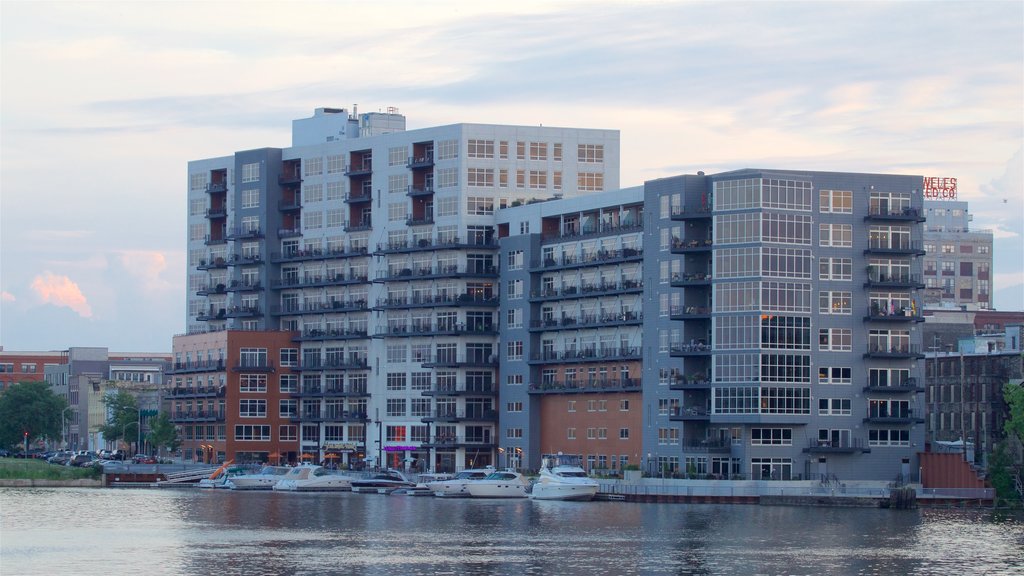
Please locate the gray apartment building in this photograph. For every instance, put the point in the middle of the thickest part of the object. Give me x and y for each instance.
(778, 325)
(958, 260)
(376, 246)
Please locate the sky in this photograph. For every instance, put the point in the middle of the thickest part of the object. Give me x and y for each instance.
(102, 104)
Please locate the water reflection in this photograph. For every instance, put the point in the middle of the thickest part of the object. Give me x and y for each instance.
(193, 532)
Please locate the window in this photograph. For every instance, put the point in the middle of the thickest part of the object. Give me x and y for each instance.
(838, 235)
(335, 164)
(834, 406)
(835, 339)
(249, 408)
(514, 351)
(479, 205)
(515, 260)
(289, 357)
(247, 432)
(515, 289)
(514, 380)
(572, 406)
(397, 156)
(396, 381)
(480, 149)
(884, 437)
(252, 383)
(590, 153)
(288, 433)
(288, 408)
(836, 201)
(771, 436)
(480, 177)
(514, 318)
(513, 433)
(514, 407)
(396, 407)
(251, 198)
(538, 150)
(835, 302)
(623, 433)
(835, 268)
(250, 172)
(570, 433)
(668, 436)
(289, 383)
(313, 166)
(623, 405)
(590, 182)
(447, 178)
(538, 179)
(834, 375)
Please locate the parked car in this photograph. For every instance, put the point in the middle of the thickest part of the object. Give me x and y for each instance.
(60, 457)
(144, 459)
(82, 457)
(116, 455)
(5, 454)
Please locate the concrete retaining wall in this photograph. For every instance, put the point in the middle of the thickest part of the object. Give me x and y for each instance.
(27, 483)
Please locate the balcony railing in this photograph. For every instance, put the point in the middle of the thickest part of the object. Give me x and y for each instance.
(197, 415)
(877, 279)
(216, 212)
(908, 385)
(878, 312)
(455, 441)
(216, 187)
(588, 321)
(688, 212)
(684, 312)
(680, 245)
(691, 349)
(695, 279)
(906, 214)
(330, 306)
(461, 389)
(358, 225)
(711, 445)
(195, 391)
(245, 233)
(254, 366)
(289, 232)
(588, 290)
(894, 416)
(332, 334)
(243, 311)
(289, 178)
(604, 228)
(836, 446)
(197, 366)
(351, 363)
(329, 416)
(462, 415)
(289, 204)
(590, 258)
(313, 281)
(316, 254)
(420, 273)
(435, 329)
(689, 413)
(689, 383)
(358, 196)
(587, 355)
(363, 169)
(420, 162)
(430, 300)
(892, 246)
(350, 390)
(458, 361)
(415, 191)
(399, 246)
(894, 351)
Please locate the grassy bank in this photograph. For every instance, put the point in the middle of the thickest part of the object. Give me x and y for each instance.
(21, 469)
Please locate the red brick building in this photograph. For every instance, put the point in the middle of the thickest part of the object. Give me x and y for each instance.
(26, 366)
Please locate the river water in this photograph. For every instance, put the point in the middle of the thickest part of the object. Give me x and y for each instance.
(177, 531)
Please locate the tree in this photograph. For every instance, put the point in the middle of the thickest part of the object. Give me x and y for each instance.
(162, 433)
(1013, 395)
(30, 407)
(122, 418)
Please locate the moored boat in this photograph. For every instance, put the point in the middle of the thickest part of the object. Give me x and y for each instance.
(562, 478)
(313, 478)
(220, 476)
(456, 486)
(382, 482)
(422, 487)
(265, 479)
(500, 484)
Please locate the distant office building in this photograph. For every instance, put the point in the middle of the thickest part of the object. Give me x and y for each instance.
(86, 376)
(958, 260)
(17, 366)
(376, 246)
(775, 326)
(965, 389)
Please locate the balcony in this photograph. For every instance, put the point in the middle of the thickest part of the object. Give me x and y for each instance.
(243, 312)
(680, 246)
(602, 229)
(289, 178)
(244, 286)
(212, 263)
(462, 389)
(420, 162)
(211, 240)
(419, 191)
(359, 170)
(697, 382)
(690, 212)
(245, 260)
(289, 232)
(587, 321)
(586, 259)
(254, 366)
(213, 213)
(197, 416)
(839, 446)
(212, 314)
(878, 279)
(358, 196)
(245, 233)
(446, 442)
(194, 392)
(880, 313)
(689, 313)
(427, 244)
(329, 307)
(462, 416)
(358, 226)
(216, 187)
(289, 204)
(425, 220)
(907, 248)
(454, 361)
(909, 385)
(319, 335)
(329, 416)
(589, 291)
(708, 446)
(197, 366)
(889, 214)
(428, 329)
(304, 255)
(211, 289)
(899, 416)
(586, 355)
(350, 391)
(898, 351)
(596, 386)
(434, 301)
(313, 281)
(350, 363)
(689, 414)
(437, 271)
(686, 280)
(680, 350)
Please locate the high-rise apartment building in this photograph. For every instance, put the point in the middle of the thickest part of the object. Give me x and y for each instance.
(761, 324)
(376, 246)
(958, 260)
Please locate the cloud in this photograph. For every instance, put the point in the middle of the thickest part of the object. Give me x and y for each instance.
(61, 291)
(6, 296)
(146, 266)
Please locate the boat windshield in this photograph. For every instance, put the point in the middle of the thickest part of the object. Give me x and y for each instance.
(501, 476)
(572, 474)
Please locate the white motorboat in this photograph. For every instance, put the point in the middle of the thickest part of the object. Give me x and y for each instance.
(265, 479)
(562, 478)
(220, 476)
(422, 487)
(455, 487)
(382, 482)
(313, 478)
(503, 484)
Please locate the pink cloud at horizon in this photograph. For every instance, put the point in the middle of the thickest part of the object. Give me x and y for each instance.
(6, 296)
(61, 291)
